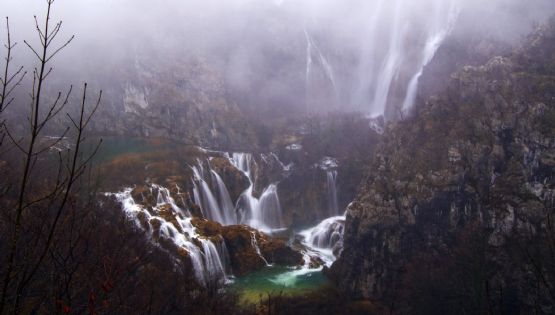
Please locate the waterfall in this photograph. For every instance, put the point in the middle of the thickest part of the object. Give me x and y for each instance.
(366, 69)
(332, 192)
(327, 234)
(214, 267)
(326, 239)
(220, 210)
(209, 203)
(210, 261)
(243, 162)
(312, 48)
(223, 254)
(264, 213)
(224, 200)
(438, 33)
(269, 211)
(254, 244)
(308, 69)
(393, 43)
(391, 64)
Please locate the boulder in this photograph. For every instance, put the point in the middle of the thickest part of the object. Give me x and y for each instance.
(236, 181)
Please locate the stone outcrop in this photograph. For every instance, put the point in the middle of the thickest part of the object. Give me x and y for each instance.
(479, 157)
(236, 181)
(249, 249)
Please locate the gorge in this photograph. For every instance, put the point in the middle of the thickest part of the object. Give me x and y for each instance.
(278, 157)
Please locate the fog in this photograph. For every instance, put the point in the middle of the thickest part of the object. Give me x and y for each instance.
(305, 56)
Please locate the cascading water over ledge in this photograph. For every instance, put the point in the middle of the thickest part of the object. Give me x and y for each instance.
(264, 213)
(166, 220)
(154, 209)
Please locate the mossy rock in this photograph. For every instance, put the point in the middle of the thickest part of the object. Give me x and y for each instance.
(277, 251)
(243, 255)
(235, 180)
(207, 228)
(167, 213)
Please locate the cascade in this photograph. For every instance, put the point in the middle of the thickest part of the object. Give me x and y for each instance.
(269, 209)
(327, 234)
(224, 199)
(264, 213)
(212, 208)
(325, 240)
(210, 261)
(214, 267)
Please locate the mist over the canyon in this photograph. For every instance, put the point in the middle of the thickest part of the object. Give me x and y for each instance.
(281, 56)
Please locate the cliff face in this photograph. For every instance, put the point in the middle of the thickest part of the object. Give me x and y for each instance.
(183, 98)
(478, 160)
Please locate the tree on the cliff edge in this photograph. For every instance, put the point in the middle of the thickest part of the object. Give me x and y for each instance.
(38, 190)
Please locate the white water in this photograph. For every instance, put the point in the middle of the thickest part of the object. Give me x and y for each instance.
(327, 235)
(366, 69)
(391, 64)
(224, 200)
(209, 257)
(308, 70)
(323, 241)
(437, 34)
(311, 49)
(216, 209)
(210, 261)
(254, 244)
(332, 192)
(394, 41)
(262, 213)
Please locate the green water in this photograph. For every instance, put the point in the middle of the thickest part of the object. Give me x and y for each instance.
(276, 280)
(113, 147)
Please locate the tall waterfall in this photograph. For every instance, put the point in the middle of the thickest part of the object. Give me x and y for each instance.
(438, 31)
(395, 41)
(392, 62)
(311, 50)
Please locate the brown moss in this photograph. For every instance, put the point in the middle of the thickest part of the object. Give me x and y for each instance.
(143, 220)
(244, 258)
(235, 180)
(280, 253)
(207, 228)
(142, 194)
(167, 213)
(156, 224)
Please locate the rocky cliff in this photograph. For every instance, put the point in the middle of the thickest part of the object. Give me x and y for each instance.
(457, 206)
(183, 98)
